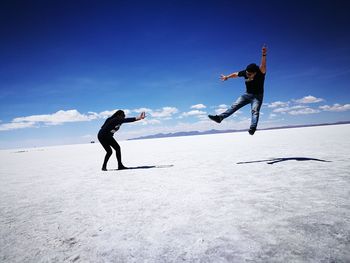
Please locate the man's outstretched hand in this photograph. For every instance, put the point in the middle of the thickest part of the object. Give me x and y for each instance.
(223, 77)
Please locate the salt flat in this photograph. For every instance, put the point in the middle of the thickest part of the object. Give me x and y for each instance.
(277, 196)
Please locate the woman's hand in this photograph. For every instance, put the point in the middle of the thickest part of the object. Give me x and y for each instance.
(142, 116)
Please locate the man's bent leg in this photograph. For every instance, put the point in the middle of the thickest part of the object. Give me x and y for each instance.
(240, 102)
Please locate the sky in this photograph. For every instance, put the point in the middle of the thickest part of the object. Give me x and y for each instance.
(67, 65)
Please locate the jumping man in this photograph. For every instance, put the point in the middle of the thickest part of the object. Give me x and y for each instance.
(254, 80)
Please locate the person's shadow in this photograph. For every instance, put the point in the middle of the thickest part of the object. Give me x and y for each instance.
(144, 167)
(278, 160)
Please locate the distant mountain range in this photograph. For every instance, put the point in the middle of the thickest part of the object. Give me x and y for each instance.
(213, 131)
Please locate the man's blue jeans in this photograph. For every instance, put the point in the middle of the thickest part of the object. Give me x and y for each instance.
(255, 101)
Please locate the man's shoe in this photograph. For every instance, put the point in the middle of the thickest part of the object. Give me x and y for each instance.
(252, 131)
(215, 118)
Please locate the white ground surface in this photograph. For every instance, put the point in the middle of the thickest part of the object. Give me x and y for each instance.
(57, 206)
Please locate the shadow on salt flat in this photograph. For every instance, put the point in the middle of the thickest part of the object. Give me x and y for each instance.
(144, 167)
(278, 160)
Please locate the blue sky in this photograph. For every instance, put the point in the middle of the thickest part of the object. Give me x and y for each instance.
(66, 65)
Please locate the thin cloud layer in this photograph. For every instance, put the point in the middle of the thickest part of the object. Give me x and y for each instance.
(309, 99)
(295, 107)
(336, 107)
(159, 116)
(277, 104)
(194, 113)
(198, 106)
(165, 112)
(56, 118)
(66, 116)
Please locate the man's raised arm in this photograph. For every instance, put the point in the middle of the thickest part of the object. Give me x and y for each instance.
(263, 59)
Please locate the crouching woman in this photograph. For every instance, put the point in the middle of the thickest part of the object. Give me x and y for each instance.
(105, 136)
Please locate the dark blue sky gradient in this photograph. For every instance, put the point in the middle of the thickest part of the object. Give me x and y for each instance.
(99, 55)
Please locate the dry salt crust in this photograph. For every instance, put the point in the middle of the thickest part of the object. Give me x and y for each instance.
(277, 196)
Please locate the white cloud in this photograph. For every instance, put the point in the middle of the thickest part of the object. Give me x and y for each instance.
(142, 110)
(223, 106)
(106, 114)
(64, 116)
(304, 111)
(284, 107)
(165, 112)
(277, 104)
(309, 99)
(288, 109)
(149, 113)
(336, 107)
(194, 113)
(150, 121)
(203, 117)
(57, 118)
(295, 110)
(152, 116)
(16, 125)
(281, 110)
(127, 112)
(109, 113)
(220, 110)
(198, 106)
